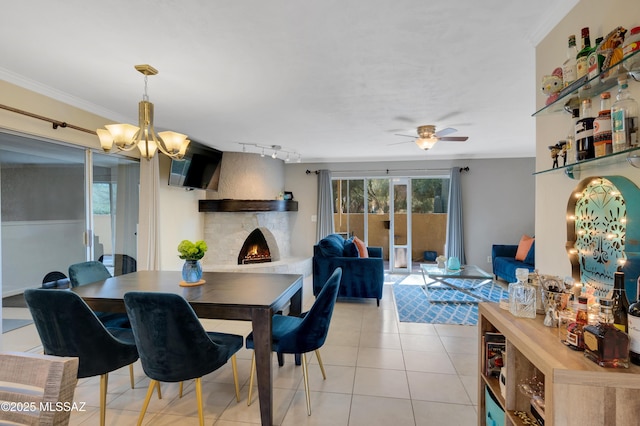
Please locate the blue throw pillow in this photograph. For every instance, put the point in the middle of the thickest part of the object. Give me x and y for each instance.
(332, 246)
(350, 249)
(531, 255)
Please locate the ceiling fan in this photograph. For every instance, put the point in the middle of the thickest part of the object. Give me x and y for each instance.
(427, 136)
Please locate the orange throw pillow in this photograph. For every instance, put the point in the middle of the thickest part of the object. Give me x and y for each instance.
(362, 249)
(523, 247)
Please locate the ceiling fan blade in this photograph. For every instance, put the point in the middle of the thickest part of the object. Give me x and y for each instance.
(406, 136)
(454, 138)
(398, 143)
(445, 132)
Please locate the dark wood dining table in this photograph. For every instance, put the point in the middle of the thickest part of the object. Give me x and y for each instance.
(251, 297)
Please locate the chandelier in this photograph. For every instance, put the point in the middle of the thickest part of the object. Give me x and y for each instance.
(127, 136)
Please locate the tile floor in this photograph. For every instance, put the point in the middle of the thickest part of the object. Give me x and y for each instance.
(379, 372)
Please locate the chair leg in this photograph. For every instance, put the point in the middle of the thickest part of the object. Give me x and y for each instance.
(145, 404)
(131, 376)
(324, 375)
(159, 391)
(104, 381)
(180, 392)
(234, 366)
(253, 372)
(305, 375)
(199, 399)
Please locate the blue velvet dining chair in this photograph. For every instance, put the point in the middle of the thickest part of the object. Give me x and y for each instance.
(306, 333)
(68, 327)
(164, 320)
(89, 272)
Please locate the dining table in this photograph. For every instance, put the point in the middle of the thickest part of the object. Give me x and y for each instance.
(244, 296)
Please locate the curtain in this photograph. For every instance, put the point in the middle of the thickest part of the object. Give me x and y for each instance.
(455, 229)
(325, 205)
(148, 215)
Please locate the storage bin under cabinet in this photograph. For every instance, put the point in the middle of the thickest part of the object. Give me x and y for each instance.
(577, 391)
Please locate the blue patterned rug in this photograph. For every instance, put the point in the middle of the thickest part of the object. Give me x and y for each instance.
(414, 305)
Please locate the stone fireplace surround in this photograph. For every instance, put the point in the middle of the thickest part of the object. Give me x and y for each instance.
(226, 232)
(245, 176)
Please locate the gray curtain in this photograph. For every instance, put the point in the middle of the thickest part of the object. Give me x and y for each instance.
(325, 205)
(455, 229)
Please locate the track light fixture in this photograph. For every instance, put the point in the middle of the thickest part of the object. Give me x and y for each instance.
(277, 149)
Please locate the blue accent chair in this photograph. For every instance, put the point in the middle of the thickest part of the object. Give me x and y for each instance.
(299, 335)
(361, 277)
(174, 346)
(89, 272)
(69, 328)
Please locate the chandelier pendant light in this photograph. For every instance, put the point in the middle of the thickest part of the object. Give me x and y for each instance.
(127, 136)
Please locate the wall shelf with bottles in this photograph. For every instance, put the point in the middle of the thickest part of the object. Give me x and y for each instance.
(588, 88)
(632, 156)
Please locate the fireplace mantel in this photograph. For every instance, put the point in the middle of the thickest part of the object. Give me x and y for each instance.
(207, 206)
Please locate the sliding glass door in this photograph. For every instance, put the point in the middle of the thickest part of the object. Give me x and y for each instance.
(405, 216)
(399, 236)
(47, 217)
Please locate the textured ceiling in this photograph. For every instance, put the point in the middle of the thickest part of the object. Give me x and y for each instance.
(332, 80)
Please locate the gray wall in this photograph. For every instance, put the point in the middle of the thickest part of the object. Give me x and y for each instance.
(498, 197)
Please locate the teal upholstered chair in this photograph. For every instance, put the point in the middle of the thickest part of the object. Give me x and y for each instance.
(89, 272)
(163, 320)
(299, 335)
(69, 328)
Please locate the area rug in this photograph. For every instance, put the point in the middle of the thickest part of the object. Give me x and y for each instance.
(413, 304)
(12, 324)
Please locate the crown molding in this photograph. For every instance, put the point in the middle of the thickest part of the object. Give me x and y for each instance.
(60, 96)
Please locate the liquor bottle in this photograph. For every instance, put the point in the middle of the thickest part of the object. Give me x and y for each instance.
(620, 302)
(575, 330)
(634, 328)
(584, 132)
(569, 65)
(594, 61)
(572, 152)
(624, 119)
(602, 127)
(583, 54)
(605, 344)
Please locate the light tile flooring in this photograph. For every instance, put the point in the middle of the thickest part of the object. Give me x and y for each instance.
(379, 372)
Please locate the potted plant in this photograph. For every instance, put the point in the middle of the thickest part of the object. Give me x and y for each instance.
(192, 253)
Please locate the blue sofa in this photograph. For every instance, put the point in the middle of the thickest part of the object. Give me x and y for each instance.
(503, 257)
(361, 277)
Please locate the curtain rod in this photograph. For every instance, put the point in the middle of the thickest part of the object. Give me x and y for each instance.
(462, 169)
(54, 123)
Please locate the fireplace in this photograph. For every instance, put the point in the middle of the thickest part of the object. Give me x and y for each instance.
(255, 249)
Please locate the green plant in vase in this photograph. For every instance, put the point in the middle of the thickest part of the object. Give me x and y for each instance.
(192, 253)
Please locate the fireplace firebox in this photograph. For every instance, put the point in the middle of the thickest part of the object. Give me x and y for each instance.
(255, 249)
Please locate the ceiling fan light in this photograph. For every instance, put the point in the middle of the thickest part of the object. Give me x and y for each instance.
(426, 143)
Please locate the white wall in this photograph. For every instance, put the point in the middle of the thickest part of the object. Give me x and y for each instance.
(497, 198)
(553, 189)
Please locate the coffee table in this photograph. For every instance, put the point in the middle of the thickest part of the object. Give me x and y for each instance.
(439, 276)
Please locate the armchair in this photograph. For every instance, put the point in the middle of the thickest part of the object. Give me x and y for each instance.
(362, 277)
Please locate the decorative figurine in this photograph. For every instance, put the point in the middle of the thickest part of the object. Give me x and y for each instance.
(558, 150)
(552, 85)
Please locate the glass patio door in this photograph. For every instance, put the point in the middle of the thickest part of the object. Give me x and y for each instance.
(400, 224)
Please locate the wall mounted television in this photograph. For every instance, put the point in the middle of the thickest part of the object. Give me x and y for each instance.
(199, 169)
